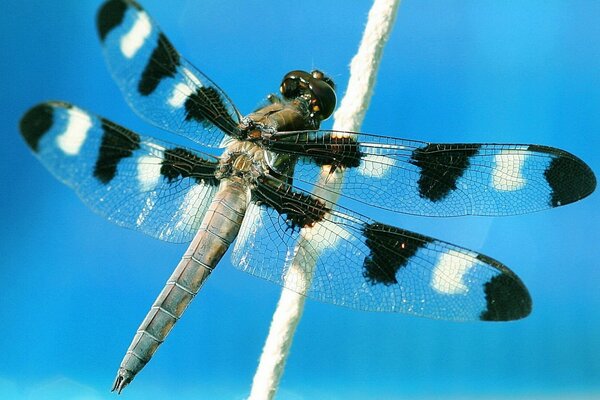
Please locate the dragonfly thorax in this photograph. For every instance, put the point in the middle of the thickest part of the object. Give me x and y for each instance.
(242, 159)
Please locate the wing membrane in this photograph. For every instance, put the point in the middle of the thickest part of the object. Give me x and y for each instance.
(142, 183)
(157, 82)
(340, 257)
(439, 179)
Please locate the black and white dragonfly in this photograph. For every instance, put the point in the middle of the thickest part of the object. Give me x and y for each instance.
(259, 190)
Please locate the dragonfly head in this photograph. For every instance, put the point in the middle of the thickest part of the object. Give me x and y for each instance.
(315, 86)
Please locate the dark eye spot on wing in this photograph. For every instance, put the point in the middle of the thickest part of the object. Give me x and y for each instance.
(506, 297)
(441, 167)
(162, 64)
(391, 249)
(300, 210)
(180, 163)
(35, 123)
(117, 143)
(206, 106)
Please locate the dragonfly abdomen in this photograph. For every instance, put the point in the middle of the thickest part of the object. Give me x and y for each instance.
(219, 228)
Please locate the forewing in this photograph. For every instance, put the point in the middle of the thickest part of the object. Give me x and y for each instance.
(340, 257)
(139, 182)
(438, 179)
(157, 82)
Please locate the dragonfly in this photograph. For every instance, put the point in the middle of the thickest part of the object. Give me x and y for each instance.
(270, 190)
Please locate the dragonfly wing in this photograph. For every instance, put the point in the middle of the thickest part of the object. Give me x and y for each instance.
(439, 179)
(139, 182)
(337, 256)
(157, 82)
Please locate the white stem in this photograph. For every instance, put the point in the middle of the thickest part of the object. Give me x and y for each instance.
(348, 117)
(364, 66)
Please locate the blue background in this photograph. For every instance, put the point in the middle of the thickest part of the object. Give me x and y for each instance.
(75, 287)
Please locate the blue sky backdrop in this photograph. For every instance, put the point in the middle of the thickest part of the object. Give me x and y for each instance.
(75, 287)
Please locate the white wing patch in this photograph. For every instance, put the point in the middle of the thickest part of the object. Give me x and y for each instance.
(148, 167)
(508, 174)
(323, 235)
(448, 274)
(133, 40)
(78, 125)
(374, 166)
(183, 90)
(148, 170)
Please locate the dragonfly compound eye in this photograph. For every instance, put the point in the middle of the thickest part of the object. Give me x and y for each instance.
(316, 85)
(294, 84)
(323, 92)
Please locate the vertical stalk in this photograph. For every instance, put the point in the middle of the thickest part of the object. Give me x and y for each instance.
(348, 117)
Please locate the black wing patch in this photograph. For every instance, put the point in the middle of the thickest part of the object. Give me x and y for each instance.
(206, 105)
(567, 186)
(117, 143)
(340, 151)
(506, 298)
(441, 167)
(35, 123)
(181, 163)
(391, 249)
(162, 64)
(110, 16)
(300, 209)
